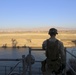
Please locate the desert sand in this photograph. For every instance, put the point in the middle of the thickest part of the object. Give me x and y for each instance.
(35, 39)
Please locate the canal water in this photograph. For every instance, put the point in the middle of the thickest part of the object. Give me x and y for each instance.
(15, 53)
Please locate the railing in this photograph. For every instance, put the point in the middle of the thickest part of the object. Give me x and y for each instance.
(27, 69)
(69, 64)
(5, 70)
(12, 68)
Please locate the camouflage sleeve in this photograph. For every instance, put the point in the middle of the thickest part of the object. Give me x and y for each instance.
(62, 52)
(44, 45)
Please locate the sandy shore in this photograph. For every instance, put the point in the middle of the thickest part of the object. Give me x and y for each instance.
(34, 39)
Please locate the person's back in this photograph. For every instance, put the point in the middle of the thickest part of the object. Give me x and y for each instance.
(54, 52)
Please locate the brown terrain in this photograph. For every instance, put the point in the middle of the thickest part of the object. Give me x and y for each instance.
(35, 38)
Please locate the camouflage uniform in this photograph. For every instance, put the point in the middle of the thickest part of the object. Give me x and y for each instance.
(55, 65)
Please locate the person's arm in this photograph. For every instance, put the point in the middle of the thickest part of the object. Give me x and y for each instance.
(62, 53)
(44, 45)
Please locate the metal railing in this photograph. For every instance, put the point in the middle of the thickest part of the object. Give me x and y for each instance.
(9, 69)
(5, 70)
(69, 64)
(27, 69)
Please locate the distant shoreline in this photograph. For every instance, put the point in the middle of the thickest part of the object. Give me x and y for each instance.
(34, 39)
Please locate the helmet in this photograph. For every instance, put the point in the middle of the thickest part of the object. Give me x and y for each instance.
(53, 31)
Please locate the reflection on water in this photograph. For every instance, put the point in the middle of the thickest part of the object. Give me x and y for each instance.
(17, 53)
(12, 52)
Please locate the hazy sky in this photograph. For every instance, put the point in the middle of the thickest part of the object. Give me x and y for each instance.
(37, 13)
